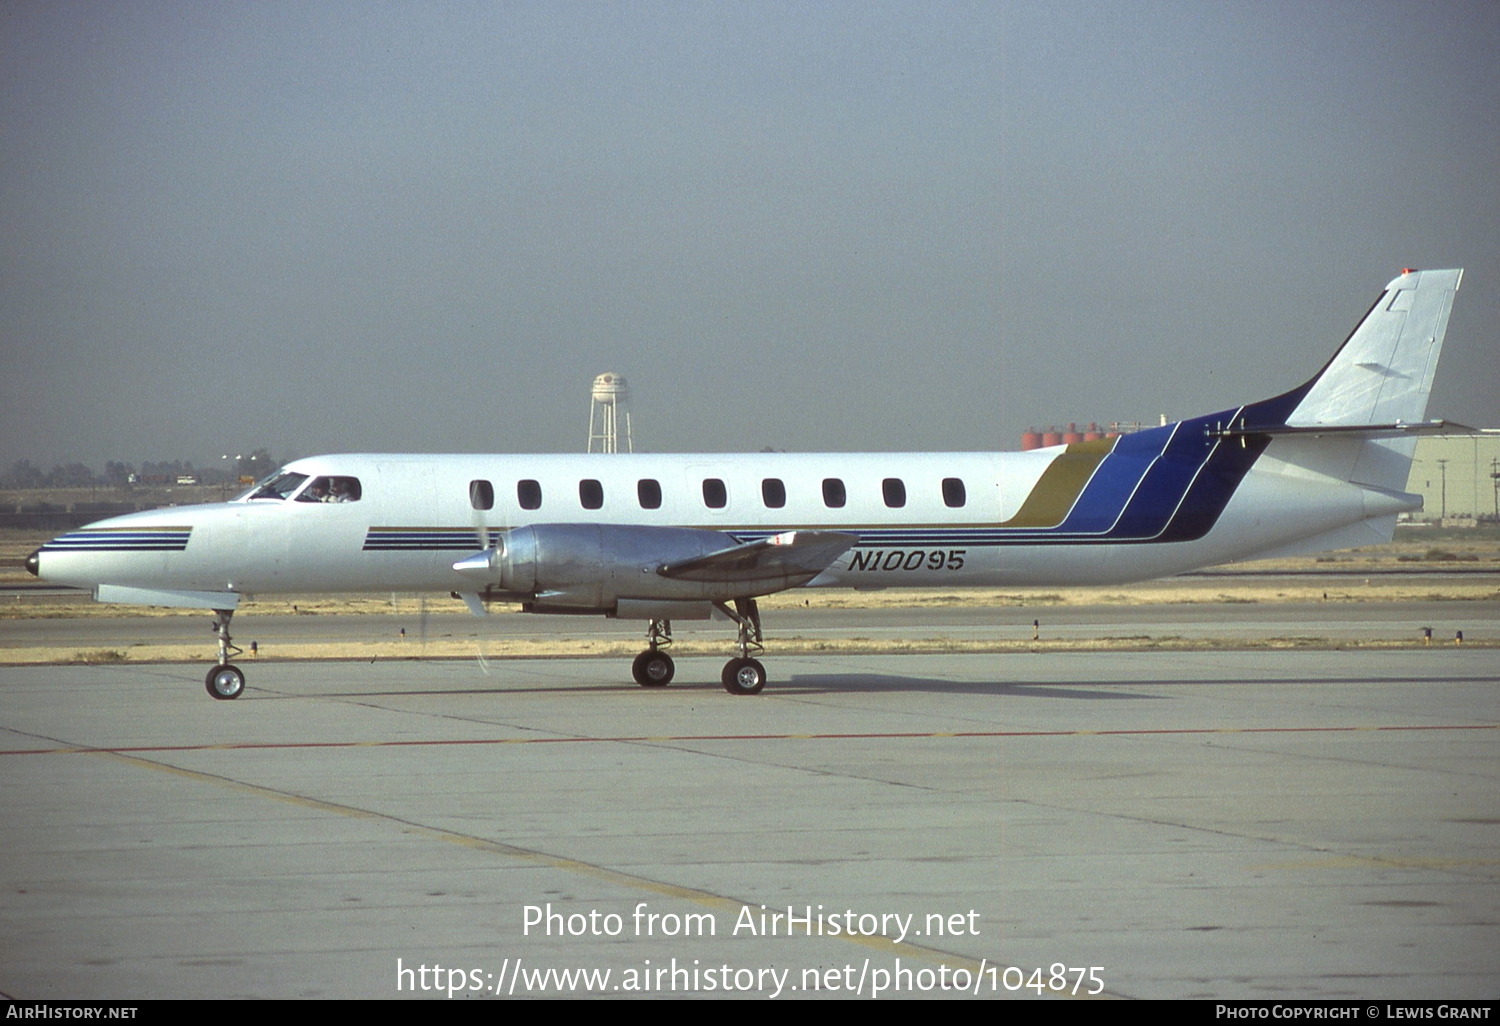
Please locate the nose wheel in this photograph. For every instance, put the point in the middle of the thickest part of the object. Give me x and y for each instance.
(225, 681)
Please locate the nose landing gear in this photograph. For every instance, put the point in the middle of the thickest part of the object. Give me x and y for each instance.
(225, 681)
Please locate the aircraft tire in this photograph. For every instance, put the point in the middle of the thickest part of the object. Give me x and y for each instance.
(653, 669)
(225, 682)
(744, 677)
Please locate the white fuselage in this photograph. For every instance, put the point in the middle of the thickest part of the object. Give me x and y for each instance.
(415, 517)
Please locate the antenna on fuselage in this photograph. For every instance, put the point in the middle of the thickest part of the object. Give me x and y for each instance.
(608, 403)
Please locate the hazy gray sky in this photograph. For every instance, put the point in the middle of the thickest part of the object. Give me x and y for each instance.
(324, 227)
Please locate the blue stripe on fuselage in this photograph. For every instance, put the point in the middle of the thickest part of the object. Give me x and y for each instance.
(1114, 481)
(1166, 482)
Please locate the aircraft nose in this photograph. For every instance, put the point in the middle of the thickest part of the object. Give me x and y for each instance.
(34, 563)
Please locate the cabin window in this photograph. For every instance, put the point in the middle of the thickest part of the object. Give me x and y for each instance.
(773, 493)
(648, 493)
(331, 489)
(481, 495)
(715, 495)
(893, 489)
(590, 494)
(279, 486)
(834, 495)
(529, 494)
(954, 494)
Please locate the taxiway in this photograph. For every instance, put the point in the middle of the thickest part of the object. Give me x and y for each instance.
(1207, 824)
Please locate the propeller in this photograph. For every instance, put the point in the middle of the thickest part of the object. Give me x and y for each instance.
(481, 502)
(479, 508)
(483, 563)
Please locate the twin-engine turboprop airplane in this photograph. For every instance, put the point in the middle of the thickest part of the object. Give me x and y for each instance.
(659, 538)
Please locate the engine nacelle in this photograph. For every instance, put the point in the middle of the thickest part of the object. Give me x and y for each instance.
(592, 567)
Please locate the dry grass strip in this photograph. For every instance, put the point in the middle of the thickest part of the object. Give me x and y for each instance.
(570, 648)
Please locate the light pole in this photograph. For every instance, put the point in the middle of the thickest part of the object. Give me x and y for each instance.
(1443, 470)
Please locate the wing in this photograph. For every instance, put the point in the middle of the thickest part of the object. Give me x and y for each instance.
(795, 557)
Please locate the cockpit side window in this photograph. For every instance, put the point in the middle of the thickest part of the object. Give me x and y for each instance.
(331, 489)
(278, 486)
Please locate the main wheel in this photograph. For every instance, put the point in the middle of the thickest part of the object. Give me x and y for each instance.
(653, 669)
(225, 681)
(744, 677)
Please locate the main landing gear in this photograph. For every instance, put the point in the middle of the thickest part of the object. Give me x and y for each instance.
(225, 681)
(744, 676)
(653, 668)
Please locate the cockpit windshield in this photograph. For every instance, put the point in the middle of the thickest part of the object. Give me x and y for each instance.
(278, 486)
(331, 489)
(284, 484)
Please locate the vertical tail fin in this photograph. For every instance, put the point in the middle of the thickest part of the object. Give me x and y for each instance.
(1383, 373)
(1379, 380)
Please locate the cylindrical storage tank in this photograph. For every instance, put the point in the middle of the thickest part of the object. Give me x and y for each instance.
(1051, 437)
(1031, 438)
(1093, 434)
(1072, 435)
(609, 387)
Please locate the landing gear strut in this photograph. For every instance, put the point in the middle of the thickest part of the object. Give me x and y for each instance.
(744, 675)
(225, 681)
(653, 668)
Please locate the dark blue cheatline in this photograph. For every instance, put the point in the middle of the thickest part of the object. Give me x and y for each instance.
(120, 539)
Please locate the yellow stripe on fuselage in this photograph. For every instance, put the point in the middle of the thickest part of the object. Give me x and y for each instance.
(1060, 485)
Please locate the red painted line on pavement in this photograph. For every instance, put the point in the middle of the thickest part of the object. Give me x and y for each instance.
(659, 739)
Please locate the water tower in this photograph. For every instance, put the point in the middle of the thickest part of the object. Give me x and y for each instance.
(608, 407)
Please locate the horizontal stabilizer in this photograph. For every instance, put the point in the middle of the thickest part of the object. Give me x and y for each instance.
(1398, 429)
(791, 554)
